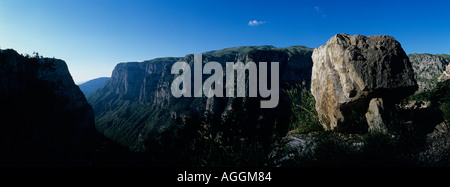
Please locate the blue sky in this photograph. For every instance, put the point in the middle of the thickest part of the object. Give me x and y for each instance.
(92, 36)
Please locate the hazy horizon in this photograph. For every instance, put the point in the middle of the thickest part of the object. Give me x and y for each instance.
(93, 36)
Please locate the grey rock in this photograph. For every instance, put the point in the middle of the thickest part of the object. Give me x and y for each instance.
(427, 69)
(291, 149)
(436, 152)
(351, 70)
(308, 149)
(374, 116)
(445, 75)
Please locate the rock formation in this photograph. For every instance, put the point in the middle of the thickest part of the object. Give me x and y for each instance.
(142, 90)
(427, 68)
(445, 75)
(349, 71)
(45, 118)
(375, 114)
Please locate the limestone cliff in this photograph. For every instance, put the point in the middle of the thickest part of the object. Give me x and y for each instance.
(45, 118)
(427, 69)
(137, 109)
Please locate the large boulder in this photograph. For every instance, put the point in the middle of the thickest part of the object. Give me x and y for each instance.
(351, 70)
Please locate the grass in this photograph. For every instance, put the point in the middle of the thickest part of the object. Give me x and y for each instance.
(440, 97)
(237, 50)
(445, 56)
(304, 115)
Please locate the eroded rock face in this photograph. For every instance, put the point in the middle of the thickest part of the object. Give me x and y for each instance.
(45, 118)
(375, 114)
(291, 149)
(445, 75)
(351, 70)
(142, 90)
(427, 68)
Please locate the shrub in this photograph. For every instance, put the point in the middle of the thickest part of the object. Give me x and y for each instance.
(441, 98)
(304, 115)
(421, 96)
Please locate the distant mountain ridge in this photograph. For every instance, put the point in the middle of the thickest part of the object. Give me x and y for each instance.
(90, 87)
(445, 56)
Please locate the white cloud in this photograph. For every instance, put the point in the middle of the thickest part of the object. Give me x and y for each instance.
(320, 11)
(255, 23)
(317, 8)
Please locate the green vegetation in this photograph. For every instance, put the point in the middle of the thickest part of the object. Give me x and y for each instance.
(371, 149)
(376, 148)
(445, 56)
(237, 50)
(191, 138)
(210, 147)
(246, 49)
(329, 149)
(236, 132)
(428, 68)
(228, 132)
(441, 98)
(163, 60)
(420, 96)
(304, 114)
(299, 49)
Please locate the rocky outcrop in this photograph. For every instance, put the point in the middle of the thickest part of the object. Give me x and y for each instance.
(316, 149)
(291, 150)
(437, 150)
(375, 114)
(445, 75)
(351, 70)
(427, 69)
(45, 118)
